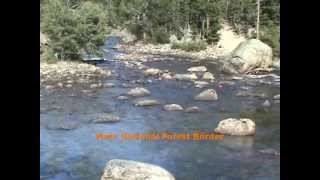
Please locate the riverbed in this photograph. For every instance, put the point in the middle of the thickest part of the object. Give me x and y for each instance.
(69, 149)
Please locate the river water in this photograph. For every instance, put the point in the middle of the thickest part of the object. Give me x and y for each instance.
(76, 154)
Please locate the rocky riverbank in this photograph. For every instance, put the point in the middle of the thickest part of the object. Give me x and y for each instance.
(66, 74)
(143, 52)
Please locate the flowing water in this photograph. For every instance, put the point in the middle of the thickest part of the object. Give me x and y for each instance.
(76, 154)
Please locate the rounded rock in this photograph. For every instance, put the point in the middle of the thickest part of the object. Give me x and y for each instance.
(237, 127)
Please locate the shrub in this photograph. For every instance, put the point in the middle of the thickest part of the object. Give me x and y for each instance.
(271, 36)
(194, 45)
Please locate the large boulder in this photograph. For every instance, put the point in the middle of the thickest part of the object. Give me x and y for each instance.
(207, 95)
(249, 55)
(117, 169)
(236, 127)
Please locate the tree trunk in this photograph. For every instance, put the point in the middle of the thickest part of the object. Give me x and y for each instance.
(203, 31)
(208, 23)
(258, 18)
(227, 7)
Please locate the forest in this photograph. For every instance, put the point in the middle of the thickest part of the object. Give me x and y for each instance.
(77, 26)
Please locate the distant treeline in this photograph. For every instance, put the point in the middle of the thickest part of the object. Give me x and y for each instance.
(81, 25)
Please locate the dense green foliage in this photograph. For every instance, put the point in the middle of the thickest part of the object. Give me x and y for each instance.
(243, 13)
(73, 27)
(76, 26)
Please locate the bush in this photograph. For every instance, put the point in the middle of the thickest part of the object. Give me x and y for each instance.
(194, 45)
(74, 30)
(159, 36)
(271, 36)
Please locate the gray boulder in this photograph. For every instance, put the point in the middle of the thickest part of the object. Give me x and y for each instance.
(138, 92)
(237, 127)
(192, 109)
(249, 55)
(207, 95)
(146, 102)
(172, 107)
(207, 76)
(152, 72)
(117, 169)
(197, 69)
(186, 77)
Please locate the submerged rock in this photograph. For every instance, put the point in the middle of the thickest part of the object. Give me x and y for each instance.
(186, 77)
(207, 95)
(122, 98)
(107, 118)
(117, 169)
(237, 127)
(197, 69)
(172, 107)
(147, 102)
(192, 109)
(251, 94)
(138, 92)
(227, 83)
(207, 76)
(270, 151)
(108, 85)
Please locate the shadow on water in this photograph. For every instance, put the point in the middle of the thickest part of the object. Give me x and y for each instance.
(73, 153)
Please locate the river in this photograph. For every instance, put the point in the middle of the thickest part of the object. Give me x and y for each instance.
(76, 154)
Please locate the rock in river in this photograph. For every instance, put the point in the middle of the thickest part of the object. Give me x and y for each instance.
(152, 72)
(146, 102)
(117, 169)
(266, 103)
(172, 107)
(107, 118)
(249, 55)
(207, 95)
(122, 98)
(197, 69)
(251, 94)
(276, 97)
(166, 76)
(186, 77)
(207, 76)
(192, 109)
(237, 127)
(270, 151)
(108, 85)
(138, 92)
(201, 84)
